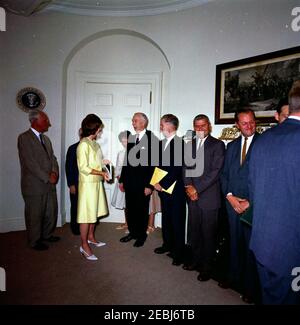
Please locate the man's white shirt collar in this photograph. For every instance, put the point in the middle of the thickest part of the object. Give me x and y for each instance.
(169, 139)
(199, 140)
(36, 133)
(295, 117)
(141, 134)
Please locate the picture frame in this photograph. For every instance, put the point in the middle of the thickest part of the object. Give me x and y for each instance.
(30, 98)
(257, 82)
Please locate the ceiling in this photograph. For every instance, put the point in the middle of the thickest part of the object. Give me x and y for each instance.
(100, 7)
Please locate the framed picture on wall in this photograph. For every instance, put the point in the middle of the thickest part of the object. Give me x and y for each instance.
(258, 83)
(30, 98)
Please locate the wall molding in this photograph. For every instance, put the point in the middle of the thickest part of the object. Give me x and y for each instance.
(18, 224)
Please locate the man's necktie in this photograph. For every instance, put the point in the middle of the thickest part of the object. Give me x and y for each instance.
(137, 140)
(43, 142)
(199, 143)
(244, 150)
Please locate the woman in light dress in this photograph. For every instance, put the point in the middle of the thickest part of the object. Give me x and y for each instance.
(118, 198)
(91, 195)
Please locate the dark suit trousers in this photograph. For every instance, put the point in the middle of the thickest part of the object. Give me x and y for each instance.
(137, 206)
(202, 235)
(237, 249)
(73, 212)
(173, 224)
(251, 286)
(276, 289)
(242, 270)
(40, 216)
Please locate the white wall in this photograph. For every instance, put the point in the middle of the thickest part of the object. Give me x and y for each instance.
(34, 50)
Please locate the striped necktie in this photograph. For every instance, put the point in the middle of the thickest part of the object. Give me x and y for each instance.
(244, 151)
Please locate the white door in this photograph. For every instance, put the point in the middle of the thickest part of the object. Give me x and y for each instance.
(115, 104)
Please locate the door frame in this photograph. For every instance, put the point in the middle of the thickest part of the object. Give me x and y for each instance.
(75, 101)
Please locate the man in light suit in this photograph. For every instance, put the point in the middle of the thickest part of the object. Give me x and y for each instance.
(234, 179)
(204, 198)
(39, 176)
(274, 193)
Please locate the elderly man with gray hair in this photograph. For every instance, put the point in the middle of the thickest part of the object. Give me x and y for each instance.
(135, 178)
(39, 176)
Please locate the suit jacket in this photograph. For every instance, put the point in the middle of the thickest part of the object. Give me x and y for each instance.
(274, 192)
(234, 177)
(137, 177)
(208, 184)
(171, 160)
(71, 165)
(36, 164)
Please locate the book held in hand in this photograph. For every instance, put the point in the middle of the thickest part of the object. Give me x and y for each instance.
(247, 216)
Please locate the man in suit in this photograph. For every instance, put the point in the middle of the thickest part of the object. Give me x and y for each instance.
(274, 193)
(39, 176)
(204, 198)
(72, 175)
(234, 179)
(173, 206)
(282, 110)
(135, 179)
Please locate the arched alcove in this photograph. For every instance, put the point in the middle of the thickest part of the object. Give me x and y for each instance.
(115, 56)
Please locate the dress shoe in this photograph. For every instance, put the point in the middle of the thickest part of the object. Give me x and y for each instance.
(160, 250)
(189, 267)
(247, 299)
(39, 246)
(52, 239)
(126, 239)
(87, 256)
(176, 262)
(97, 243)
(223, 285)
(139, 243)
(203, 276)
(170, 255)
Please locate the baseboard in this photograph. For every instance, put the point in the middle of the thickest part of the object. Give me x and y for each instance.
(18, 224)
(12, 224)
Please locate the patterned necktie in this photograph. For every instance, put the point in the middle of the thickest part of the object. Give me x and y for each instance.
(244, 150)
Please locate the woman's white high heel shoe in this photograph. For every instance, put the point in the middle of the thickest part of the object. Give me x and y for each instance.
(87, 256)
(97, 244)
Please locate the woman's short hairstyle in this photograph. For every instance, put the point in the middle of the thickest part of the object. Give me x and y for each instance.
(123, 135)
(90, 125)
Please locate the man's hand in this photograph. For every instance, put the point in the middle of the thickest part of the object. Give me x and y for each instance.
(147, 191)
(238, 204)
(158, 187)
(72, 189)
(53, 178)
(191, 192)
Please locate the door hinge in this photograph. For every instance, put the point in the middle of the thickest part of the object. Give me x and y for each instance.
(150, 97)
